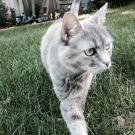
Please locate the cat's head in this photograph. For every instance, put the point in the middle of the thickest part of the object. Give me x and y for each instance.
(86, 45)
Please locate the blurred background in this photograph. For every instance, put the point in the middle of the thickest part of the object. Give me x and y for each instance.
(16, 12)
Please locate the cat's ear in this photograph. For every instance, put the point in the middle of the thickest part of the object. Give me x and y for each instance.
(70, 27)
(100, 16)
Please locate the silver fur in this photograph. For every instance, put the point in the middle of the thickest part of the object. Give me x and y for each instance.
(71, 71)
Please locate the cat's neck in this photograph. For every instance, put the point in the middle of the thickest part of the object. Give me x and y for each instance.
(72, 82)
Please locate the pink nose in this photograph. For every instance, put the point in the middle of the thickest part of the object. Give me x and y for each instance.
(107, 63)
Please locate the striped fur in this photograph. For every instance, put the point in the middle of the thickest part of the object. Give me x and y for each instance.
(63, 54)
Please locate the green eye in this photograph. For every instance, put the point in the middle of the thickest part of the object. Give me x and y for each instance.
(108, 46)
(90, 52)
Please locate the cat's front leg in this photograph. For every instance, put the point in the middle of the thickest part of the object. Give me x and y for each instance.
(72, 112)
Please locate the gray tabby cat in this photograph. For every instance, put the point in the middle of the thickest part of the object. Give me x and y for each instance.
(72, 52)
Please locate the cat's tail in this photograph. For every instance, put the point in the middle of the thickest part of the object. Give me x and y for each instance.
(75, 7)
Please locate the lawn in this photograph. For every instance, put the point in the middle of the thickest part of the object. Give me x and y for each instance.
(28, 105)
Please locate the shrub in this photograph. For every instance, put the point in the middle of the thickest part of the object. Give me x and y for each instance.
(113, 3)
(3, 14)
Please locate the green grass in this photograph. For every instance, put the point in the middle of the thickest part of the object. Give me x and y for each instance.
(28, 105)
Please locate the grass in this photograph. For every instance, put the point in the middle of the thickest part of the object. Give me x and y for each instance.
(28, 105)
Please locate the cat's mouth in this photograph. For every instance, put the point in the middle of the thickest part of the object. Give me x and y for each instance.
(97, 68)
(106, 65)
(92, 65)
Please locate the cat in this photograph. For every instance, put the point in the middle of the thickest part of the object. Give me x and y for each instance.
(73, 52)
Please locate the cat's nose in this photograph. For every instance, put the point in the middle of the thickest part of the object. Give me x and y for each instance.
(107, 63)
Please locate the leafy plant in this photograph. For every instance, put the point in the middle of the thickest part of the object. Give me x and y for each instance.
(3, 14)
(112, 2)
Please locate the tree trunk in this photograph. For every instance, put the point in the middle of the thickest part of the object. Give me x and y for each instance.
(52, 7)
(43, 7)
(33, 7)
(27, 8)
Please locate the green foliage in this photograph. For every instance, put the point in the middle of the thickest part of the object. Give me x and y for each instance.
(113, 3)
(3, 14)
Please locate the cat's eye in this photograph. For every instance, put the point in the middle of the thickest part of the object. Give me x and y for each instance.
(90, 52)
(107, 46)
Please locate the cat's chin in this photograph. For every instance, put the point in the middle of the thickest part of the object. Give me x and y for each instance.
(95, 70)
(98, 71)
